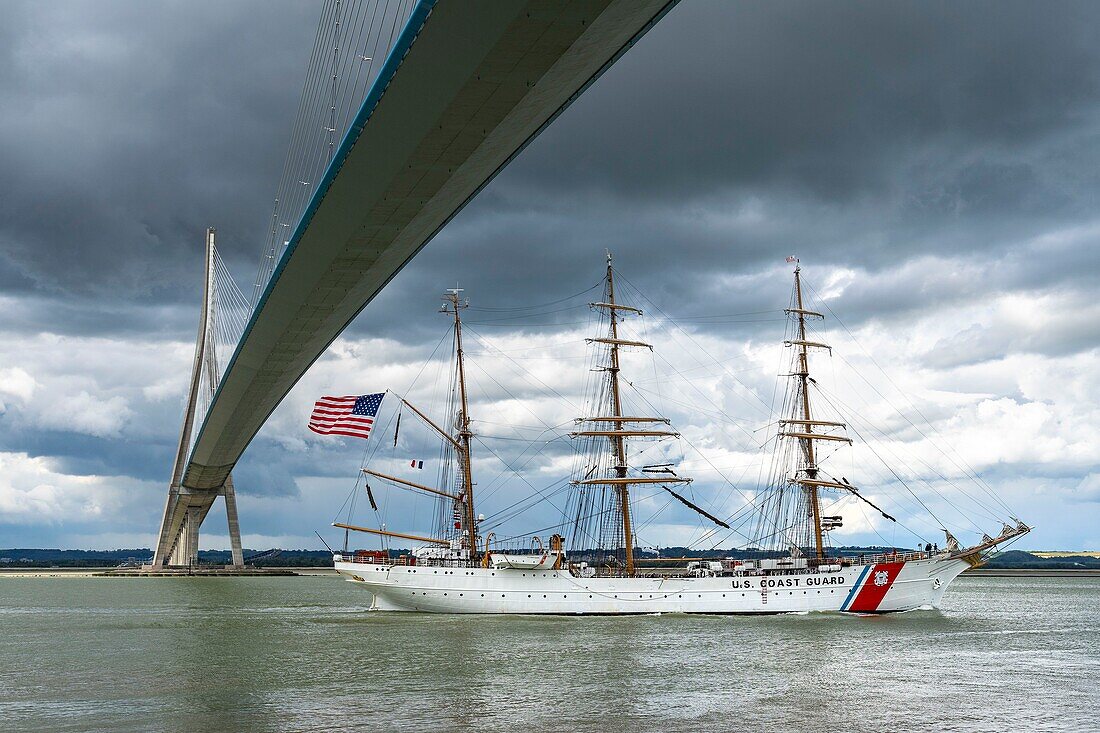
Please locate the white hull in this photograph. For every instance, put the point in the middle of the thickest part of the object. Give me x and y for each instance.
(872, 588)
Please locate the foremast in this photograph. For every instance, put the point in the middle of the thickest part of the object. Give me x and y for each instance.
(801, 425)
(621, 429)
(462, 499)
(454, 306)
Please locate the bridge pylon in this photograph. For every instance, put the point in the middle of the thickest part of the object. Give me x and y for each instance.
(186, 508)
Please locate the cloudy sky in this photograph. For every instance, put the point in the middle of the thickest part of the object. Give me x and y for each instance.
(934, 165)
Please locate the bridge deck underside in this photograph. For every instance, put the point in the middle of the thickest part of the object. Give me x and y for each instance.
(478, 82)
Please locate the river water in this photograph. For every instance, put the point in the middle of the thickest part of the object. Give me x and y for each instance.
(303, 654)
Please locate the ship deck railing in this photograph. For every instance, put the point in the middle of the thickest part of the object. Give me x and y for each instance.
(844, 561)
(375, 560)
(884, 557)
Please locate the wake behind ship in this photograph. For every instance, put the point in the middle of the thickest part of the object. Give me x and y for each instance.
(796, 569)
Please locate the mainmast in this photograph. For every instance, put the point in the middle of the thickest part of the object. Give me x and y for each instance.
(807, 427)
(804, 422)
(621, 481)
(464, 432)
(619, 440)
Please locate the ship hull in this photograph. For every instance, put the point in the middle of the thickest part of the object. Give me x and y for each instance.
(873, 588)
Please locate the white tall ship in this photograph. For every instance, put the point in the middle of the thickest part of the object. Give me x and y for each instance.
(795, 570)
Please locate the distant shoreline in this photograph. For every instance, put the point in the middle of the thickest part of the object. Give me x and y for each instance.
(101, 572)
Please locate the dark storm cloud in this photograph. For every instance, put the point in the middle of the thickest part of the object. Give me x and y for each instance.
(862, 134)
(126, 128)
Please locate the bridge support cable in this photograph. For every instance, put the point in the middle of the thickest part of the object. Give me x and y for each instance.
(461, 90)
(185, 509)
(353, 39)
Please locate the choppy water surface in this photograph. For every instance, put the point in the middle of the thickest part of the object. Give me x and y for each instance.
(302, 654)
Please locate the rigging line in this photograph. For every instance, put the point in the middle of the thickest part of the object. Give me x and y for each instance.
(979, 482)
(974, 474)
(683, 439)
(518, 475)
(553, 344)
(539, 305)
(548, 428)
(652, 517)
(551, 324)
(506, 391)
(688, 335)
(980, 507)
(887, 465)
(508, 437)
(532, 315)
(517, 509)
(598, 512)
(708, 375)
(966, 472)
(542, 445)
(431, 356)
(487, 344)
(735, 315)
(722, 416)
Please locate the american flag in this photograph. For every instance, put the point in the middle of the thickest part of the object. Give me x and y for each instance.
(352, 416)
(791, 259)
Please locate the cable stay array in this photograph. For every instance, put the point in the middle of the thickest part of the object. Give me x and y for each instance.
(352, 41)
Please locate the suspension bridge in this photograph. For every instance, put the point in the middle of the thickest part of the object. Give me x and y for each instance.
(408, 110)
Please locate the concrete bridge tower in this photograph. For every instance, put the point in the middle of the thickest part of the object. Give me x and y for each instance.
(178, 541)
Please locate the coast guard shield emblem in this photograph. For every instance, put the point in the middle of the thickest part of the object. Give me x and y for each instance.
(882, 578)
